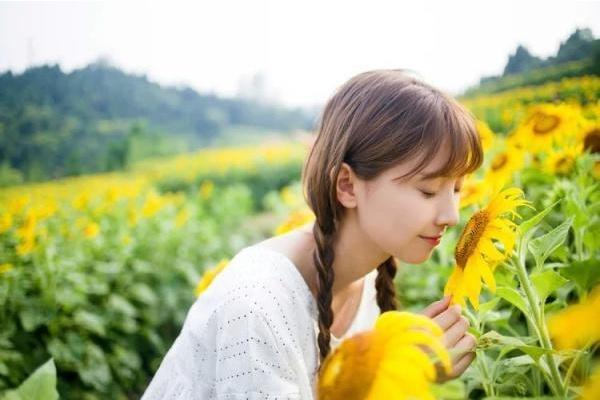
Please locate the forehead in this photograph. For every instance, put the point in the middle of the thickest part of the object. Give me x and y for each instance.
(430, 165)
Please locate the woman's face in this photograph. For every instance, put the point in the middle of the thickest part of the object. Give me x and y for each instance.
(395, 213)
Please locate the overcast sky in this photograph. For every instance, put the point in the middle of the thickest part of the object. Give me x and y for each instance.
(304, 49)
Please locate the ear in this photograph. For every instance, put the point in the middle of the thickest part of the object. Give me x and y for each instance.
(345, 186)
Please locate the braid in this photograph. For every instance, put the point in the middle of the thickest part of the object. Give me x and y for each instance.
(323, 257)
(384, 283)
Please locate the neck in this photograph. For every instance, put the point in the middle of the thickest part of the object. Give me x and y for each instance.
(355, 257)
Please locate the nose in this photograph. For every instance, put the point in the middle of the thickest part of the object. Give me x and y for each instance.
(448, 212)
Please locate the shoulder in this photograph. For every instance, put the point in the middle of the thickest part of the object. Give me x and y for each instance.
(257, 283)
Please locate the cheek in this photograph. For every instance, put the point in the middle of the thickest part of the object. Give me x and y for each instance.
(393, 217)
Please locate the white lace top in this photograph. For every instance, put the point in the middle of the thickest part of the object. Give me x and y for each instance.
(252, 334)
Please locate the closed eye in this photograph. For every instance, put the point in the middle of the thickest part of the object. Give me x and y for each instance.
(429, 195)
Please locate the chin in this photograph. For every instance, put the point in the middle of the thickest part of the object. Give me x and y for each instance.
(413, 259)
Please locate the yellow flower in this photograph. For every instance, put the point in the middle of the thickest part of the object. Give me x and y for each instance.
(476, 255)
(486, 135)
(182, 217)
(296, 219)
(561, 162)
(473, 192)
(288, 197)
(502, 167)
(590, 137)
(548, 124)
(596, 170)
(152, 205)
(206, 189)
(81, 201)
(6, 222)
(584, 316)
(591, 389)
(91, 230)
(5, 267)
(25, 247)
(388, 362)
(209, 275)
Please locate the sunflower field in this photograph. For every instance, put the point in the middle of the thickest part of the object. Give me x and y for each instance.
(97, 272)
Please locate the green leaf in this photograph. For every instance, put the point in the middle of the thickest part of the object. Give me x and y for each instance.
(90, 322)
(488, 306)
(546, 282)
(526, 226)
(513, 297)
(543, 246)
(39, 385)
(120, 305)
(585, 274)
(143, 293)
(493, 338)
(534, 352)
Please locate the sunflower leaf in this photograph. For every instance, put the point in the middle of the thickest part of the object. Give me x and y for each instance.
(488, 306)
(585, 274)
(526, 226)
(513, 297)
(543, 246)
(41, 384)
(547, 282)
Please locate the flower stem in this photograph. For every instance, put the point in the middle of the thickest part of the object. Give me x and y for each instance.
(540, 324)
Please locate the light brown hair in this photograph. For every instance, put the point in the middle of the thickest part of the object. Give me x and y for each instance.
(375, 121)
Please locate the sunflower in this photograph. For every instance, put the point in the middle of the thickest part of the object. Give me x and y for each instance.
(591, 389)
(476, 254)
(590, 136)
(388, 362)
(209, 276)
(296, 219)
(503, 165)
(485, 134)
(473, 192)
(584, 316)
(547, 124)
(561, 162)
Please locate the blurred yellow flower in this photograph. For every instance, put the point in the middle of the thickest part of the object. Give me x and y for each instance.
(590, 137)
(6, 222)
(182, 217)
(502, 167)
(18, 204)
(25, 247)
(486, 135)
(476, 254)
(81, 201)
(388, 362)
(296, 219)
(591, 389)
(152, 205)
(209, 276)
(91, 230)
(548, 124)
(5, 267)
(562, 161)
(473, 192)
(206, 189)
(584, 316)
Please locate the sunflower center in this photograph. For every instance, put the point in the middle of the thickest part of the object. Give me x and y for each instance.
(563, 165)
(499, 161)
(591, 141)
(545, 123)
(470, 237)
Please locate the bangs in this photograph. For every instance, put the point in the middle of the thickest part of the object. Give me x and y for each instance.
(453, 127)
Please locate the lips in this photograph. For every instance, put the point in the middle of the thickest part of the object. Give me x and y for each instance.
(431, 237)
(434, 241)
